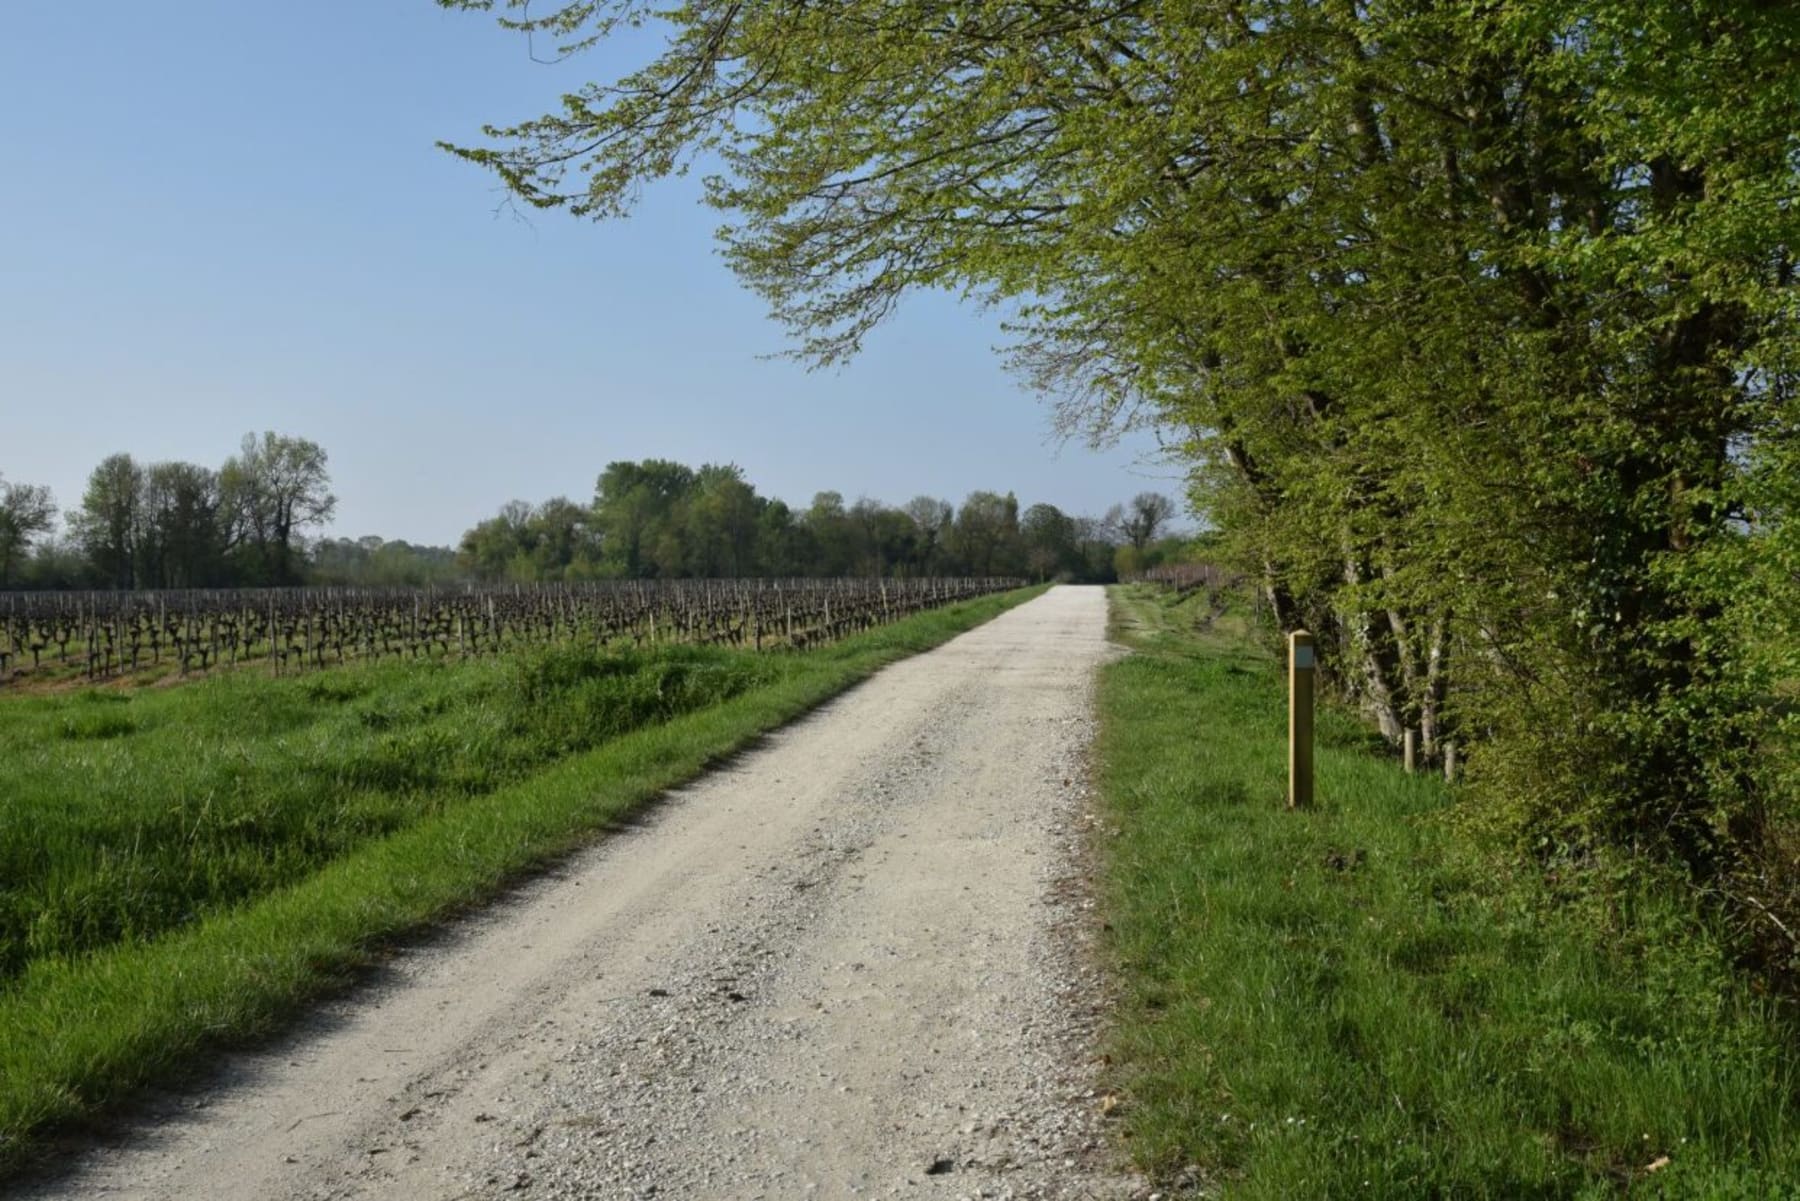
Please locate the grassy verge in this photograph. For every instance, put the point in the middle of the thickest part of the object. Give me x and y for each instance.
(149, 810)
(80, 1030)
(1354, 1001)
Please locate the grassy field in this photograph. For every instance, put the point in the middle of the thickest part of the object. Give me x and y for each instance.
(182, 867)
(1354, 1001)
(149, 810)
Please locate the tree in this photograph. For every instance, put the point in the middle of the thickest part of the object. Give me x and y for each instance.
(933, 517)
(723, 523)
(1148, 513)
(832, 536)
(1049, 539)
(1095, 543)
(489, 550)
(986, 533)
(781, 543)
(562, 540)
(1478, 326)
(156, 526)
(885, 540)
(181, 538)
(108, 526)
(631, 502)
(271, 490)
(26, 510)
(56, 564)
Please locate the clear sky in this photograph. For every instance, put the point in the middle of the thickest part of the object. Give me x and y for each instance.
(221, 216)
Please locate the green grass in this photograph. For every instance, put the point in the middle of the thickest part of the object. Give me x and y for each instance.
(310, 819)
(149, 810)
(1357, 1001)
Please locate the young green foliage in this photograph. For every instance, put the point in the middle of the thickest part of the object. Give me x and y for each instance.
(1476, 321)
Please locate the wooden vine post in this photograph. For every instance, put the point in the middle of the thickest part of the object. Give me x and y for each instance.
(1301, 665)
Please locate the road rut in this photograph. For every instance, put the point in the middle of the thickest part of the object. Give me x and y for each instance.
(849, 963)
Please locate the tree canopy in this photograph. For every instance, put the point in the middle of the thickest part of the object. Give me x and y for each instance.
(271, 491)
(182, 525)
(26, 511)
(175, 524)
(1476, 322)
(656, 518)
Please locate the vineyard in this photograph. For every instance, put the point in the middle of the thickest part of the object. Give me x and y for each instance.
(1186, 577)
(105, 635)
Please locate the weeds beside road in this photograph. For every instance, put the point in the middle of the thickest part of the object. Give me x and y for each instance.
(1356, 1001)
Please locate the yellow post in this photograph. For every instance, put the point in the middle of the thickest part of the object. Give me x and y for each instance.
(1300, 719)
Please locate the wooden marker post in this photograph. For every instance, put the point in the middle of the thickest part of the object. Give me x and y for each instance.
(1300, 719)
(1409, 751)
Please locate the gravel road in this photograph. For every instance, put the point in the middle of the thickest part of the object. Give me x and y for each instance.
(851, 963)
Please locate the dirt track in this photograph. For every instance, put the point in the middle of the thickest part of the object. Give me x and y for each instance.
(848, 964)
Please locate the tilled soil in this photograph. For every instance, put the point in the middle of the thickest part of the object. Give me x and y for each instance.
(851, 963)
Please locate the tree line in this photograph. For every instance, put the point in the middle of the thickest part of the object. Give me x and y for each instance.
(173, 524)
(1477, 321)
(247, 524)
(661, 519)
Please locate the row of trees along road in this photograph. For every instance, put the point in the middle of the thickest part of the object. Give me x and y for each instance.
(1479, 322)
(657, 518)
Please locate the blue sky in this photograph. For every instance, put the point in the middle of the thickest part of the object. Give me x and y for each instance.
(222, 217)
